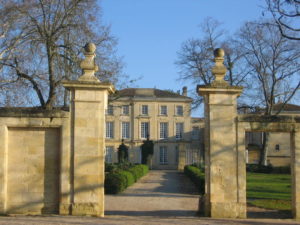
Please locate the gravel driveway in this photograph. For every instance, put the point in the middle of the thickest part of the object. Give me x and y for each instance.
(164, 193)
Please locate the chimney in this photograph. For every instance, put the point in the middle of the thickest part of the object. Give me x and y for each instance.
(184, 91)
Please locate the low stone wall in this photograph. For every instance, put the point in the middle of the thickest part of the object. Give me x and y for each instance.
(34, 159)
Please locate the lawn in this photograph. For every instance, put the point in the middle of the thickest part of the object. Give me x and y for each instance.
(272, 191)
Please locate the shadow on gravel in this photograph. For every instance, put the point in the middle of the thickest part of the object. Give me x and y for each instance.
(270, 214)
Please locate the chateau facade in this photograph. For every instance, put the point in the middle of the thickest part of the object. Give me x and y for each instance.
(164, 116)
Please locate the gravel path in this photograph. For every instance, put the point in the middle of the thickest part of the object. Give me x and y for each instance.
(160, 193)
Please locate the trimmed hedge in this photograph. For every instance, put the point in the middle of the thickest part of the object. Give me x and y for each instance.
(196, 176)
(118, 180)
(129, 177)
(256, 168)
(138, 171)
(110, 167)
(282, 169)
(114, 183)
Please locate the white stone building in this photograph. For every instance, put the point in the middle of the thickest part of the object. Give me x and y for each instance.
(165, 116)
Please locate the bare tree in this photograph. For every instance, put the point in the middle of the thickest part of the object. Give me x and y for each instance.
(258, 57)
(286, 14)
(274, 62)
(40, 44)
(195, 58)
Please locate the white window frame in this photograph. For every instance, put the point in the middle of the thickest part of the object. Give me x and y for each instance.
(145, 110)
(179, 129)
(109, 132)
(125, 110)
(163, 110)
(163, 130)
(163, 155)
(125, 130)
(110, 110)
(179, 112)
(145, 132)
(109, 151)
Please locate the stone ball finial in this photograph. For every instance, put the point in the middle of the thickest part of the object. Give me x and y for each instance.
(90, 48)
(219, 52)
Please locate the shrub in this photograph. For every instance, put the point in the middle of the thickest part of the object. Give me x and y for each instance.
(138, 171)
(197, 177)
(118, 180)
(282, 169)
(199, 166)
(256, 168)
(145, 169)
(115, 182)
(109, 167)
(124, 165)
(129, 177)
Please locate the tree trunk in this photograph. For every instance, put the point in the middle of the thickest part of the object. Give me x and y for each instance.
(51, 96)
(263, 160)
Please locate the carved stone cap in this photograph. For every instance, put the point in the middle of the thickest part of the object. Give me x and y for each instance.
(88, 65)
(203, 90)
(219, 70)
(219, 85)
(88, 85)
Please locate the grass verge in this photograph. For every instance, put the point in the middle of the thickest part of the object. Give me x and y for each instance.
(270, 191)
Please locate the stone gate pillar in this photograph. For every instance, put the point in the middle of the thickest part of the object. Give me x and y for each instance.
(223, 189)
(295, 171)
(88, 104)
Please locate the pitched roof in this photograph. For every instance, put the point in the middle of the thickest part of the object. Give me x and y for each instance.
(149, 92)
(287, 107)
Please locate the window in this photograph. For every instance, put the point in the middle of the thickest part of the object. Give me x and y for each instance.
(179, 110)
(125, 130)
(110, 110)
(109, 129)
(125, 109)
(109, 153)
(195, 133)
(144, 129)
(277, 148)
(179, 130)
(163, 110)
(163, 133)
(163, 155)
(144, 109)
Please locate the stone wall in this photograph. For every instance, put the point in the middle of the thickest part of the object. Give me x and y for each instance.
(34, 160)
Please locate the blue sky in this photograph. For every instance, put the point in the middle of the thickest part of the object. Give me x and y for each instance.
(150, 32)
